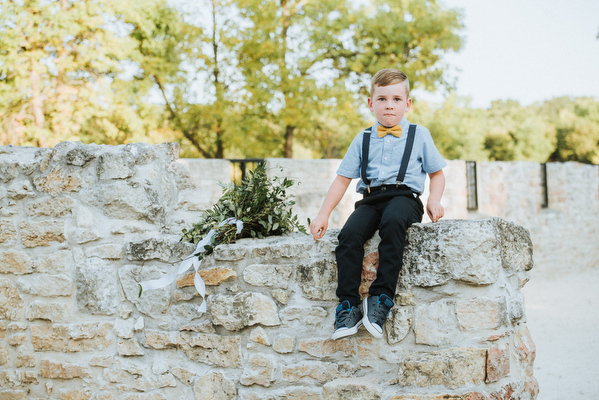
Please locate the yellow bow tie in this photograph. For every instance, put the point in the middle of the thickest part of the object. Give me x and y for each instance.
(394, 130)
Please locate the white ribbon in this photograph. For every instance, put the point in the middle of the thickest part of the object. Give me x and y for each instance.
(191, 260)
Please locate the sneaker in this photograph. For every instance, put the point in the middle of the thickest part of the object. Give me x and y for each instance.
(348, 320)
(376, 310)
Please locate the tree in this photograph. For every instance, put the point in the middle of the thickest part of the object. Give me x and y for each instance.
(69, 70)
(302, 59)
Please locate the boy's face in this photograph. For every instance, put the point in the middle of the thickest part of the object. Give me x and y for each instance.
(389, 104)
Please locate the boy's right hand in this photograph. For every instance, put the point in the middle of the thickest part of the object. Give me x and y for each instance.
(318, 227)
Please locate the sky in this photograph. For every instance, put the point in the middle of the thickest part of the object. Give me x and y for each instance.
(526, 50)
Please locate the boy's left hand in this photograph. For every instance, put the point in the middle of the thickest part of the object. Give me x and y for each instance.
(435, 211)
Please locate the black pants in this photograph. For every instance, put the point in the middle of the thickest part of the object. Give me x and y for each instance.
(392, 214)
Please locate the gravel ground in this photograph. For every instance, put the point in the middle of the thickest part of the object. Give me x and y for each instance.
(563, 319)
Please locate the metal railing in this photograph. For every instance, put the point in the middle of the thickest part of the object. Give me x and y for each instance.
(240, 167)
(472, 185)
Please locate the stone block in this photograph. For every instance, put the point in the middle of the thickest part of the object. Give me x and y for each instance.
(49, 207)
(452, 368)
(498, 362)
(436, 323)
(76, 394)
(241, 310)
(154, 302)
(352, 389)
(467, 251)
(280, 295)
(211, 277)
(115, 165)
(46, 285)
(41, 233)
(355, 346)
(150, 383)
(25, 357)
(214, 386)
(8, 232)
(445, 396)
(398, 324)
(183, 375)
(50, 311)
(63, 370)
(13, 394)
(89, 336)
(129, 347)
(259, 335)
(260, 370)
(525, 350)
(517, 247)
(150, 249)
(19, 189)
(79, 156)
(318, 279)
(271, 275)
(54, 263)
(15, 262)
(83, 235)
(11, 302)
(479, 313)
(106, 251)
(283, 344)
(59, 179)
(317, 371)
(3, 353)
(120, 200)
(303, 315)
(97, 287)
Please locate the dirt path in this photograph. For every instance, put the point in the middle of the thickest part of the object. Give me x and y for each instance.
(563, 318)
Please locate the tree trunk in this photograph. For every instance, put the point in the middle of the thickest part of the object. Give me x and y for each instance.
(289, 141)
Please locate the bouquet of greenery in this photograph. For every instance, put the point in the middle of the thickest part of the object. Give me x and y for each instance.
(263, 205)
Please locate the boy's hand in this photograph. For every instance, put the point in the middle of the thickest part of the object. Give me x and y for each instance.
(318, 227)
(435, 211)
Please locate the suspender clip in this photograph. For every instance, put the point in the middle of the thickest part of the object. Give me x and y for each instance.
(398, 184)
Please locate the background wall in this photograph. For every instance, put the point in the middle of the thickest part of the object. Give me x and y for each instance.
(565, 234)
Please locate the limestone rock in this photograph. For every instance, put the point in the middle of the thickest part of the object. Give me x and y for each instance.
(150, 249)
(49, 207)
(15, 262)
(51, 311)
(303, 315)
(79, 156)
(317, 371)
(467, 251)
(154, 302)
(106, 251)
(436, 323)
(398, 324)
(147, 384)
(97, 287)
(260, 370)
(214, 386)
(271, 275)
(58, 180)
(41, 233)
(46, 285)
(479, 313)
(20, 189)
(283, 344)
(498, 362)
(211, 277)
(352, 389)
(516, 246)
(115, 165)
(452, 368)
(8, 233)
(241, 310)
(58, 370)
(54, 263)
(259, 335)
(318, 279)
(93, 336)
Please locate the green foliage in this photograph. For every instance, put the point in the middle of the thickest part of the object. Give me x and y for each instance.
(263, 204)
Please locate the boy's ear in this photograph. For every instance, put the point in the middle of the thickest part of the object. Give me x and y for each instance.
(370, 106)
(409, 104)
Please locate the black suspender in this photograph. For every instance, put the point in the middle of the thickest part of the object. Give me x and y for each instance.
(404, 160)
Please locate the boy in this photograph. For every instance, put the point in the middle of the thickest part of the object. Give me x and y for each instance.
(391, 201)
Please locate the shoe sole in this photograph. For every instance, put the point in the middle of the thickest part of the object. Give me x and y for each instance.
(370, 327)
(343, 332)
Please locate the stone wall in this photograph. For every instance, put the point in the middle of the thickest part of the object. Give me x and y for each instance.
(80, 226)
(564, 234)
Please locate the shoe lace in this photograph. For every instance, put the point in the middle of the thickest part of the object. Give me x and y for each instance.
(380, 312)
(342, 317)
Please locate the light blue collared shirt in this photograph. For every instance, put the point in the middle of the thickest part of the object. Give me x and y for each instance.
(384, 159)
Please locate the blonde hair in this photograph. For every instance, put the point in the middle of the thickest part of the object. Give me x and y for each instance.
(389, 76)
